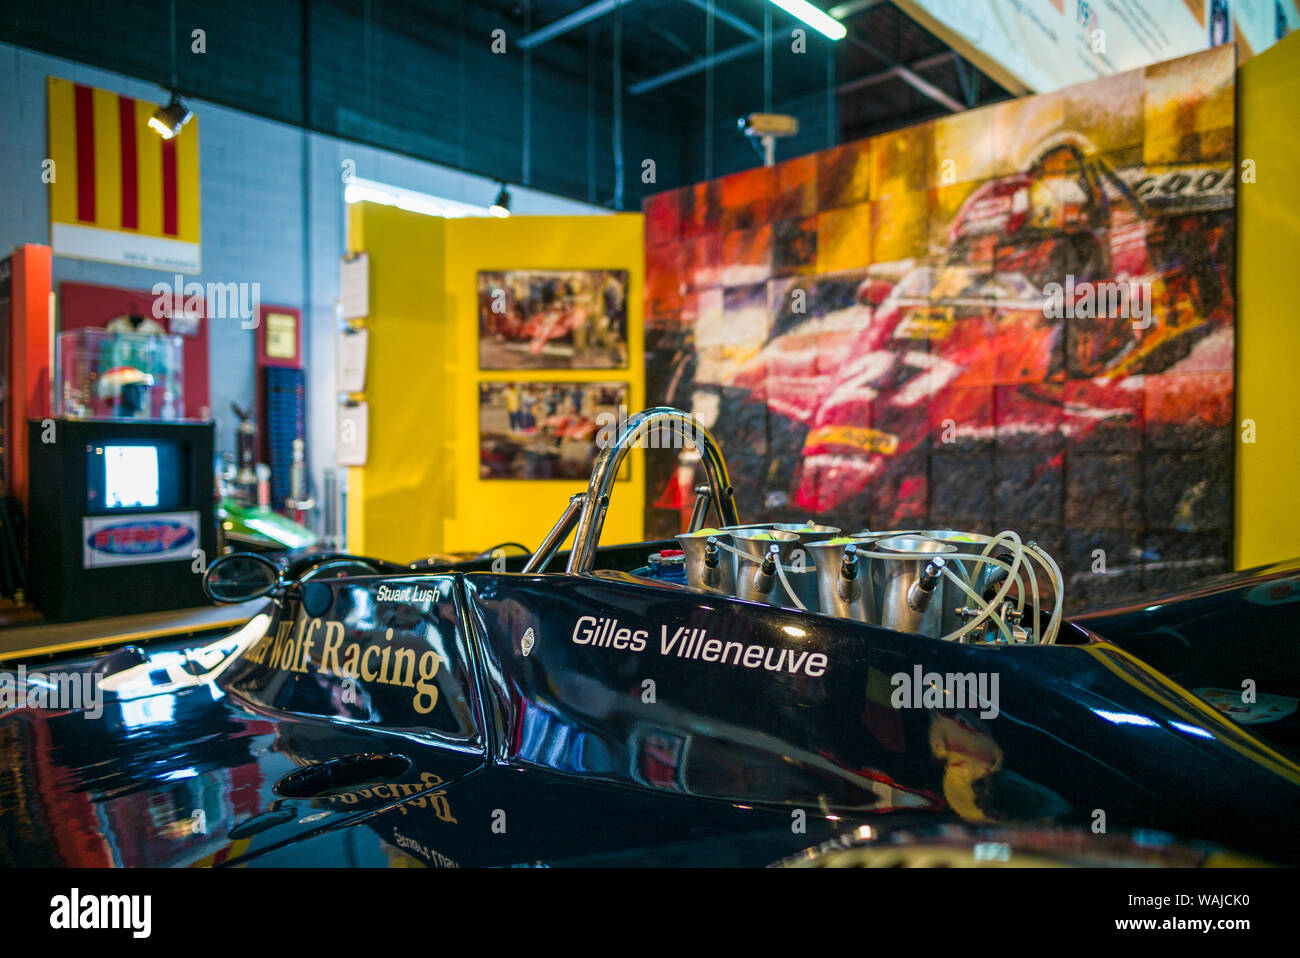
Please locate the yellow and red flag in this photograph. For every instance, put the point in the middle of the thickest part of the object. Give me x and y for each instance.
(119, 192)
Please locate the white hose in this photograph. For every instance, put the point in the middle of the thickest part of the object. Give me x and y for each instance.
(1020, 585)
(1021, 555)
(986, 611)
(1058, 582)
(789, 590)
(1018, 552)
(1020, 567)
(989, 610)
(780, 573)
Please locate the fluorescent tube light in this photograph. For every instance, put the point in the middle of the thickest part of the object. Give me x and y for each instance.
(819, 20)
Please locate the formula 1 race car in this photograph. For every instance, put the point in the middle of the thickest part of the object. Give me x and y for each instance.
(748, 694)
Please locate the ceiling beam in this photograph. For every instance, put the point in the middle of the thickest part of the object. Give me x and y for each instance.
(696, 66)
(891, 73)
(969, 79)
(925, 87)
(905, 73)
(556, 28)
(744, 26)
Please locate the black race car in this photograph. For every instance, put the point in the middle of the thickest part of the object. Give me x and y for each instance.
(745, 695)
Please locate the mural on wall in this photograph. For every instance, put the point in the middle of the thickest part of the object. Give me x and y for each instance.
(544, 430)
(1015, 317)
(553, 319)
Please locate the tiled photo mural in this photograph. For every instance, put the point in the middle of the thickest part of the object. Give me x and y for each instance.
(1015, 317)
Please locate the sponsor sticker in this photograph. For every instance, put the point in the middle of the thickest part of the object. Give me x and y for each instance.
(124, 540)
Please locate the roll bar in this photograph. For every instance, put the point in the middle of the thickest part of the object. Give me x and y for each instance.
(587, 510)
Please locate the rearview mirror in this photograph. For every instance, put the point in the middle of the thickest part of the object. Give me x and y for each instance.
(239, 577)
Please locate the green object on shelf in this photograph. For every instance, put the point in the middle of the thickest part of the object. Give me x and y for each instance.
(261, 528)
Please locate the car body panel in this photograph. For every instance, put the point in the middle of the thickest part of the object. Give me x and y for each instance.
(629, 731)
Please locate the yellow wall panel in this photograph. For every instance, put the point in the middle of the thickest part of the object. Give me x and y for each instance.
(1268, 330)
(497, 510)
(420, 491)
(401, 510)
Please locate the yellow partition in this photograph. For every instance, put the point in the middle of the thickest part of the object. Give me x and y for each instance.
(1268, 318)
(420, 491)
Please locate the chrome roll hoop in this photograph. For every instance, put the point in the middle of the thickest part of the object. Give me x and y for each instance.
(668, 428)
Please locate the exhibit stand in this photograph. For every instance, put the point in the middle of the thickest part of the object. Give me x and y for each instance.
(453, 460)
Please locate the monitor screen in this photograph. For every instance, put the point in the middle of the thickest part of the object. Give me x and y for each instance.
(137, 475)
(131, 477)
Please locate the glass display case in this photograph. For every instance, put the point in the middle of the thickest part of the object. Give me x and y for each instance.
(115, 375)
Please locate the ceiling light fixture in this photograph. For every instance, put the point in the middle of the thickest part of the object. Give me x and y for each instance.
(372, 191)
(168, 120)
(819, 20)
(501, 205)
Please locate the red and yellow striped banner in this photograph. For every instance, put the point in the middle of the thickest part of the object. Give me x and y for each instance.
(121, 193)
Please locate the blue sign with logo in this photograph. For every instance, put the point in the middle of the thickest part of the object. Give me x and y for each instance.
(118, 540)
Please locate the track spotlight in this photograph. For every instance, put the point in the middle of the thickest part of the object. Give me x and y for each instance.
(501, 205)
(168, 120)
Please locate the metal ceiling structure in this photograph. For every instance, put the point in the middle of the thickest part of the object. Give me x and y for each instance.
(584, 92)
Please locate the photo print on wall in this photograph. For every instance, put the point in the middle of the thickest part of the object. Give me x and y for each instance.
(544, 430)
(553, 319)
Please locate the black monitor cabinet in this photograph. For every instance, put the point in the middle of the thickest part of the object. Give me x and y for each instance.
(120, 515)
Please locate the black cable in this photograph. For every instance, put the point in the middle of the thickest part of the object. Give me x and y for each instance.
(618, 107)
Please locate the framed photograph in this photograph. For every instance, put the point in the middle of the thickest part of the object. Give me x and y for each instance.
(553, 319)
(281, 340)
(545, 430)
